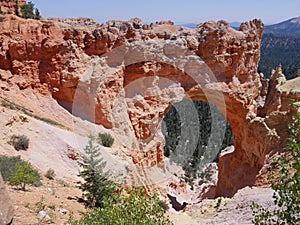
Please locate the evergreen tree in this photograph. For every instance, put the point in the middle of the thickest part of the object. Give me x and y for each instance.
(27, 10)
(132, 206)
(37, 14)
(17, 8)
(97, 186)
(173, 136)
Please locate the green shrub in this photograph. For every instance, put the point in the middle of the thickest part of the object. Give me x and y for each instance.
(111, 204)
(20, 142)
(27, 11)
(37, 15)
(50, 174)
(17, 8)
(105, 139)
(133, 206)
(98, 185)
(8, 166)
(8, 104)
(286, 187)
(24, 174)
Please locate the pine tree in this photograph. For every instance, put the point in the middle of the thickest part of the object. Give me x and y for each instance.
(17, 8)
(97, 186)
(27, 10)
(132, 206)
(37, 14)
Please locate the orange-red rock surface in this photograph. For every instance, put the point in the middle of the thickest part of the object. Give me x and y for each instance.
(9, 6)
(126, 75)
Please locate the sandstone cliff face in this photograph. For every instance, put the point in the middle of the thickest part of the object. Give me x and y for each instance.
(9, 6)
(126, 75)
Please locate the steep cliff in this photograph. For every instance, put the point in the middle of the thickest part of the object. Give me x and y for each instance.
(126, 76)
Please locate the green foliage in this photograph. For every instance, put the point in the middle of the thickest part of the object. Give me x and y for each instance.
(287, 187)
(105, 139)
(10, 105)
(277, 50)
(40, 205)
(111, 204)
(17, 8)
(173, 136)
(24, 174)
(8, 166)
(29, 12)
(97, 184)
(37, 15)
(20, 142)
(13, 106)
(205, 175)
(217, 206)
(133, 207)
(50, 174)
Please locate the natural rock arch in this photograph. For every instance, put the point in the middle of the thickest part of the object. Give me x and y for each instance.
(62, 60)
(135, 85)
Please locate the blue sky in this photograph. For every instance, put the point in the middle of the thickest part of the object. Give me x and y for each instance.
(184, 11)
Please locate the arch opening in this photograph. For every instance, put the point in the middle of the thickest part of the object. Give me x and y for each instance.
(197, 164)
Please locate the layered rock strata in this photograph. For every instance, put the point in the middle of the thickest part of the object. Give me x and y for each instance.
(126, 75)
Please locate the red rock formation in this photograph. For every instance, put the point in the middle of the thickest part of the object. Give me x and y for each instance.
(9, 6)
(143, 71)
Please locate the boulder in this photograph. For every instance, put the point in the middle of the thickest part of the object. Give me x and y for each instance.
(6, 207)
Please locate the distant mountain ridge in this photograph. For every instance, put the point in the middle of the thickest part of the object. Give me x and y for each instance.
(281, 45)
(289, 27)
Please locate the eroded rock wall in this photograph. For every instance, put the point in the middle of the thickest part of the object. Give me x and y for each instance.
(126, 75)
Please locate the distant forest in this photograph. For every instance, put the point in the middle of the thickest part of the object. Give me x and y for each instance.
(193, 150)
(282, 50)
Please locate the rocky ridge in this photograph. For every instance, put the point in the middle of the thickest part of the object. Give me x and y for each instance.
(126, 75)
